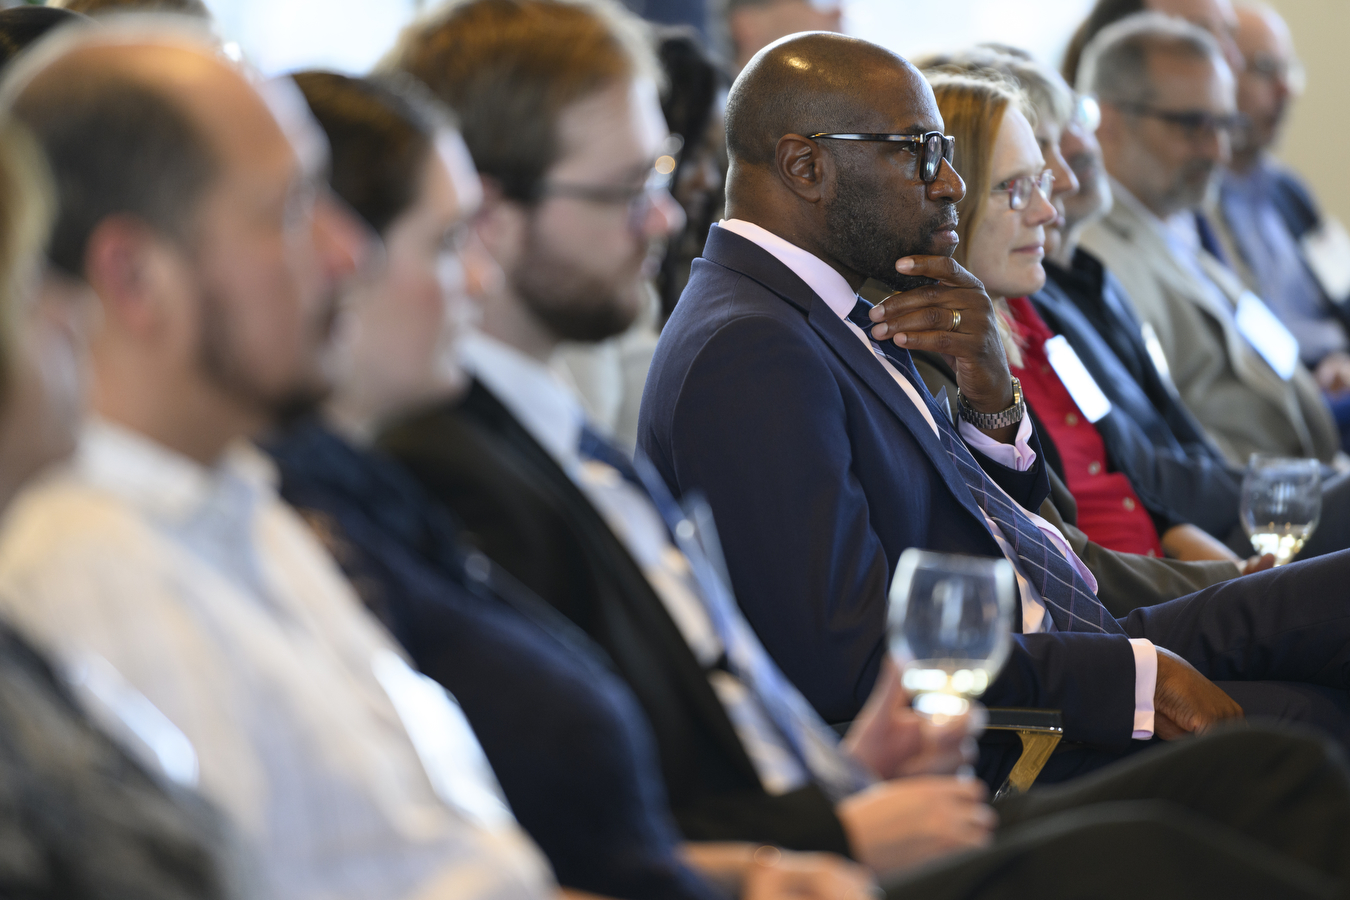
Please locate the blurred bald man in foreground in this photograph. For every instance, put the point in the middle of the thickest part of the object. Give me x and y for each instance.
(192, 201)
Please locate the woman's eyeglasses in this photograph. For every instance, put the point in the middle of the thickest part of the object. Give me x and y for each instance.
(934, 147)
(1019, 189)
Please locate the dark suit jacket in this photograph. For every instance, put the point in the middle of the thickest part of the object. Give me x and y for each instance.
(1150, 436)
(820, 472)
(524, 512)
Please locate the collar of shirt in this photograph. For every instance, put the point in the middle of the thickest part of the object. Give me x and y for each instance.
(159, 480)
(819, 275)
(534, 394)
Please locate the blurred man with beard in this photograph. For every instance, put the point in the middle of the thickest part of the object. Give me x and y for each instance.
(192, 201)
(1281, 241)
(1168, 111)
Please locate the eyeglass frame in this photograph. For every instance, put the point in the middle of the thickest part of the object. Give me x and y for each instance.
(1289, 71)
(639, 198)
(1044, 182)
(947, 143)
(1189, 121)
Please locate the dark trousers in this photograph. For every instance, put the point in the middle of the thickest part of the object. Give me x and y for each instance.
(1241, 813)
(1277, 642)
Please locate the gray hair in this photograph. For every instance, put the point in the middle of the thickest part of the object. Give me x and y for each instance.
(1114, 65)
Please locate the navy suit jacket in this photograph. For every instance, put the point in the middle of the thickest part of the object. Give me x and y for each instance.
(820, 472)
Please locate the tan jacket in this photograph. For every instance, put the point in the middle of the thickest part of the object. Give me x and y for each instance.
(1242, 403)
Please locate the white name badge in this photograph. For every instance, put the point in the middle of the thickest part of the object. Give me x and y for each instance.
(1092, 403)
(1327, 252)
(1267, 334)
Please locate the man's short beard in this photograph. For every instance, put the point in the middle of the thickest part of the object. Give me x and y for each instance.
(222, 367)
(1190, 194)
(855, 222)
(571, 304)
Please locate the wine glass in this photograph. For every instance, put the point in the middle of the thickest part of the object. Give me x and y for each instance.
(950, 627)
(1281, 503)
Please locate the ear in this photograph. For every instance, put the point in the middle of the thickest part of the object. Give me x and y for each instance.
(803, 168)
(126, 263)
(501, 224)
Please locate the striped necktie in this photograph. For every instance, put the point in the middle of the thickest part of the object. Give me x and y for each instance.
(1068, 598)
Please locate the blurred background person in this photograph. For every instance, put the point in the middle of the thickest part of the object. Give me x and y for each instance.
(752, 25)
(1168, 106)
(1215, 16)
(217, 254)
(1278, 239)
(694, 103)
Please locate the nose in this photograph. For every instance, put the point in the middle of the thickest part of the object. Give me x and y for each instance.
(664, 216)
(1066, 182)
(343, 242)
(947, 185)
(1040, 211)
(1212, 145)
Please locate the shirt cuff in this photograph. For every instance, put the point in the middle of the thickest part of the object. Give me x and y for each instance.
(1017, 456)
(1145, 682)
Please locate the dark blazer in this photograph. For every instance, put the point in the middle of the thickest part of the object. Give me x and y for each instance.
(524, 512)
(820, 472)
(565, 736)
(1150, 436)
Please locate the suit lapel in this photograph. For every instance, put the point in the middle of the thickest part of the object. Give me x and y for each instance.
(1247, 364)
(738, 254)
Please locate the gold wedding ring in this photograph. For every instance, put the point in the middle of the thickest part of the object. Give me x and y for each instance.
(956, 320)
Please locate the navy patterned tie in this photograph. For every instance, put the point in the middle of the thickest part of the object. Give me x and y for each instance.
(1068, 598)
(808, 738)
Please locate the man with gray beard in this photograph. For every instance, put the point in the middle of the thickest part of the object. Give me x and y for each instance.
(1168, 111)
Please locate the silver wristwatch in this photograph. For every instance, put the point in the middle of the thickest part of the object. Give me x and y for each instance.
(993, 421)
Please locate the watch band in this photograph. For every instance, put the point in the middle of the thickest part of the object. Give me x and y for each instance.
(992, 421)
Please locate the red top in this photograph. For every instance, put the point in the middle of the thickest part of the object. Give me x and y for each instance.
(1109, 511)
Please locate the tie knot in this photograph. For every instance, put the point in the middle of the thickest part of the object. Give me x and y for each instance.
(859, 316)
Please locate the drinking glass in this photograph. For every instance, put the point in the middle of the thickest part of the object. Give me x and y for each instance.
(1281, 503)
(950, 627)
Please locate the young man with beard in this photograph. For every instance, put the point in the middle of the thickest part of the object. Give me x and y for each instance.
(193, 204)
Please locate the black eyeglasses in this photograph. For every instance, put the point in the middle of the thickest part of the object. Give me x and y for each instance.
(1194, 124)
(638, 198)
(935, 145)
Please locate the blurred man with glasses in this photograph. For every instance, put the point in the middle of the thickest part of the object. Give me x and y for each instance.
(1280, 242)
(1168, 112)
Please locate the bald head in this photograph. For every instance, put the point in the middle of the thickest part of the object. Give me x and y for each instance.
(814, 82)
(133, 124)
(1272, 78)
